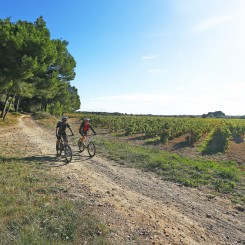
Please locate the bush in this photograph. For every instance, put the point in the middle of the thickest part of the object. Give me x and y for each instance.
(42, 114)
(16, 113)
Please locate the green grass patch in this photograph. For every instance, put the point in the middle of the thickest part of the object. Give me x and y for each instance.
(223, 177)
(152, 141)
(10, 120)
(35, 208)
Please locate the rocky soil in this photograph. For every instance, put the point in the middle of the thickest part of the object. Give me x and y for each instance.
(137, 206)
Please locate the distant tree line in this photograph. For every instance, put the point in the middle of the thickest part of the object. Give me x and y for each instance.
(216, 114)
(131, 114)
(220, 114)
(35, 70)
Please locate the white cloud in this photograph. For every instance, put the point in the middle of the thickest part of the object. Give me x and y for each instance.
(154, 71)
(149, 57)
(213, 22)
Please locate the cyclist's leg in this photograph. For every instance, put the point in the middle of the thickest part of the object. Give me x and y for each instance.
(58, 145)
(65, 138)
(81, 142)
(58, 141)
(85, 137)
(83, 134)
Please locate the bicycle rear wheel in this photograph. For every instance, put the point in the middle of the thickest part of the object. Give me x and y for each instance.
(91, 149)
(68, 153)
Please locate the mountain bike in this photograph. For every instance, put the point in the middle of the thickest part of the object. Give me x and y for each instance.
(64, 147)
(88, 143)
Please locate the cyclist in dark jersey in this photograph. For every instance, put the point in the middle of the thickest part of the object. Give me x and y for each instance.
(61, 130)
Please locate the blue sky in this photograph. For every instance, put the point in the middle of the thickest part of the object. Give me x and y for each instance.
(169, 57)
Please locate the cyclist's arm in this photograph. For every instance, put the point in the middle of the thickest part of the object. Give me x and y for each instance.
(81, 127)
(58, 127)
(92, 129)
(71, 131)
(70, 128)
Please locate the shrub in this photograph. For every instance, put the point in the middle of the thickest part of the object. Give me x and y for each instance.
(42, 114)
(165, 133)
(16, 113)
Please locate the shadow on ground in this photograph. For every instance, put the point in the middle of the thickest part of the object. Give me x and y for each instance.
(56, 161)
(180, 145)
(238, 139)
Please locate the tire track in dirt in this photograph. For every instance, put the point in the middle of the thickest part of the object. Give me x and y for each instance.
(138, 206)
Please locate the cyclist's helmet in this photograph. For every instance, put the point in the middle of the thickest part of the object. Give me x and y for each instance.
(64, 118)
(86, 119)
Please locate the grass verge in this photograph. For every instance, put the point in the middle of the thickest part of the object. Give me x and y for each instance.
(223, 177)
(35, 208)
(10, 120)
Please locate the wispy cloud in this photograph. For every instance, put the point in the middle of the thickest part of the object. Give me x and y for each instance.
(154, 71)
(139, 98)
(149, 57)
(167, 103)
(213, 22)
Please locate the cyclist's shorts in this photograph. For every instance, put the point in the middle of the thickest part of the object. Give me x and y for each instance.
(84, 133)
(64, 136)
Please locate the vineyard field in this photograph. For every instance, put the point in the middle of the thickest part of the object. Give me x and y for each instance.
(208, 136)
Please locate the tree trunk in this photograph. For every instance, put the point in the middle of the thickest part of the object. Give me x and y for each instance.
(5, 106)
(17, 105)
(10, 104)
(46, 107)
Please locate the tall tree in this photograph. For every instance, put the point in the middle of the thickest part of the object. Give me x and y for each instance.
(32, 65)
(25, 49)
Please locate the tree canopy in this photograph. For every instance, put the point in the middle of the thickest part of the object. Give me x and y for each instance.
(35, 68)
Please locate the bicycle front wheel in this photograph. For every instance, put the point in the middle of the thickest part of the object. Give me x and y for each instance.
(68, 153)
(58, 149)
(91, 149)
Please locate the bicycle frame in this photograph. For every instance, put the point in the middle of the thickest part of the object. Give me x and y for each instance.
(87, 142)
(64, 146)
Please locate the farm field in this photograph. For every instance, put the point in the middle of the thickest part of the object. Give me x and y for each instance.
(218, 139)
(155, 196)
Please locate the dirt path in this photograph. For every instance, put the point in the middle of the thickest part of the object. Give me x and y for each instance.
(138, 206)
